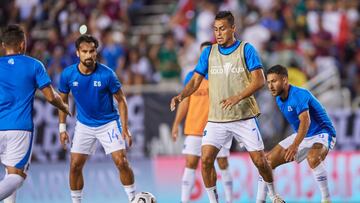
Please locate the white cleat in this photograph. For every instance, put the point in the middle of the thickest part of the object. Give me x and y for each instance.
(277, 199)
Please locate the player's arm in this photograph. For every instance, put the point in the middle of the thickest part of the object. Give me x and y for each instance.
(190, 88)
(254, 65)
(179, 117)
(123, 111)
(64, 137)
(304, 125)
(54, 98)
(257, 82)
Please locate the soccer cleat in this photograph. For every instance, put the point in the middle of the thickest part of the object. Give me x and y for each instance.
(277, 199)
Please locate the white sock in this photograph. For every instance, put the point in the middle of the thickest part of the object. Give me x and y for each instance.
(262, 191)
(212, 194)
(187, 184)
(76, 196)
(11, 198)
(9, 184)
(320, 176)
(271, 189)
(130, 191)
(228, 184)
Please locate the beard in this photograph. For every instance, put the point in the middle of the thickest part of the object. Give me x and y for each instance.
(88, 62)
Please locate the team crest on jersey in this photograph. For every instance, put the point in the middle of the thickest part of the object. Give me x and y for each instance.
(97, 83)
(75, 83)
(226, 69)
(11, 61)
(290, 108)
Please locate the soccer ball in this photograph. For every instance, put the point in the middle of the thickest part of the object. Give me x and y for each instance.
(144, 197)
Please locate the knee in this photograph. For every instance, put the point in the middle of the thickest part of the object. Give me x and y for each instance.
(313, 161)
(121, 162)
(223, 164)
(270, 162)
(76, 167)
(260, 162)
(207, 161)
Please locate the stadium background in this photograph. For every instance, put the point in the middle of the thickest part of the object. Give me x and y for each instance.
(152, 44)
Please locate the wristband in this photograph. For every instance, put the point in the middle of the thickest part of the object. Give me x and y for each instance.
(62, 127)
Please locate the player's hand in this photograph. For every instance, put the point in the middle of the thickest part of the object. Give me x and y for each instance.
(230, 102)
(175, 101)
(64, 139)
(127, 136)
(174, 132)
(290, 152)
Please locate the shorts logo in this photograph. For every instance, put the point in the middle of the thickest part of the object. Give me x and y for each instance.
(205, 131)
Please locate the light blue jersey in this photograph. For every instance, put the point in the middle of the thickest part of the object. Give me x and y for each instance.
(251, 57)
(93, 93)
(20, 76)
(300, 100)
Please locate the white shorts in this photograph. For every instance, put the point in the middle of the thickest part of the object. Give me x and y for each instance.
(246, 132)
(109, 135)
(304, 147)
(192, 146)
(16, 148)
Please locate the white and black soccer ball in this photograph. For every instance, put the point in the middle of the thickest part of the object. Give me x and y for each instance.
(144, 197)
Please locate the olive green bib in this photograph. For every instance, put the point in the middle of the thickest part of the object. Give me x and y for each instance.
(229, 76)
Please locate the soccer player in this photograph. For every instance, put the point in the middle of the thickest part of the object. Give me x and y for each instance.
(93, 86)
(235, 74)
(20, 76)
(196, 109)
(314, 133)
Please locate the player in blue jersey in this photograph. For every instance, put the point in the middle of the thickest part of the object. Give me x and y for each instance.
(235, 74)
(314, 133)
(20, 76)
(93, 86)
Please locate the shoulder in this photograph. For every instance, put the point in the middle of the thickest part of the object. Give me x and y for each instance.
(70, 68)
(104, 68)
(28, 59)
(299, 93)
(207, 50)
(248, 47)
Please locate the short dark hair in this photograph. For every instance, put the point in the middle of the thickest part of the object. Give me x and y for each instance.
(86, 38)
(278, 69)
(205, 44)
(12, 35)
(225, 15)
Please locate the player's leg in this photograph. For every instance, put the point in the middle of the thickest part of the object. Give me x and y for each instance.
(248, 133)
(315, 158)
(192, 151)
(208, 172)
(188, 178)
(113, 143)
(125, 172)
(77, 162)
(275, 157)
(83, 144)
(226, 178)
(215, 137)
(15, 155)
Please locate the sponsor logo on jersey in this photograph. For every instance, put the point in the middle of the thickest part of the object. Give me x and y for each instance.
(226, 69)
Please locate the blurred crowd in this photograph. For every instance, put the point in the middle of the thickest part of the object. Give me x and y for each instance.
(308, 36)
